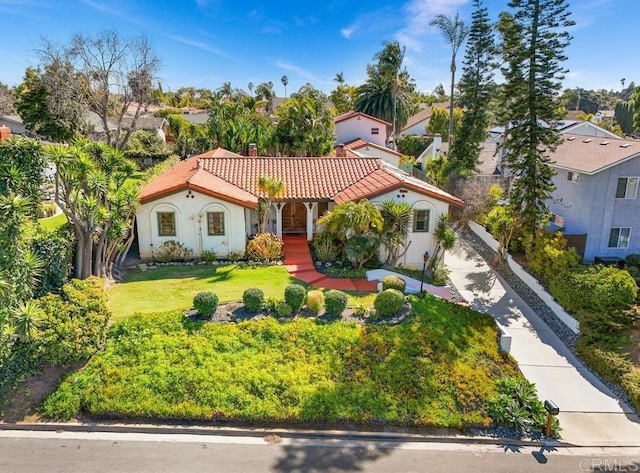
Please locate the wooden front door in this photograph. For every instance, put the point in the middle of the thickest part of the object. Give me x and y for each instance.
(294, 218)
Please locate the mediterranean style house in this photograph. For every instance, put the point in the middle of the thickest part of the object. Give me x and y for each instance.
(209, 202)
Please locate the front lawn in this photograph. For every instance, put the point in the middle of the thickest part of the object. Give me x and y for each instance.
(438, 368)
(173, 287)
(53, 223)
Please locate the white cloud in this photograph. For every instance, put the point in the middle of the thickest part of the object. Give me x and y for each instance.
(197, 44)
(305, 73)
(418, 15)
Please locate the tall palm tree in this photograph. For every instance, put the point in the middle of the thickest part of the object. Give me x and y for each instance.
(454, 31)
(386, 92)
(271, 187)
(285, 81)
(250, 87)
(339, 78)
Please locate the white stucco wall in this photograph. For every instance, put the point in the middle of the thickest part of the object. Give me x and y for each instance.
(353, 128)
(191, 224)
(387, 156)
(420, 241)
(416, 129)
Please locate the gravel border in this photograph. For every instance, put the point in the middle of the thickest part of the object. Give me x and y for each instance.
(564, 333)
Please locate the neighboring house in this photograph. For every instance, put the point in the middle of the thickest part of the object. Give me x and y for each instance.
(156, 125)
(363, 149)
(15, 123)
(596, 196)
(588, 129)
(353, 125)
(209, 202)
(417, 124)
(93, 126)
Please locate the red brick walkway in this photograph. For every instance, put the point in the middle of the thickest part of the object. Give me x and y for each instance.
(298, 262)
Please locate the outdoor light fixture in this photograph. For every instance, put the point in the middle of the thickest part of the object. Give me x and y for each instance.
(552, 410)
(425, 258)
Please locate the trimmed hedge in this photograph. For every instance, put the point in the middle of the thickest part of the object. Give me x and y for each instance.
(335, 302)
(594, 288)
(294, 295)
(206, 303)
(388, 303)
(253, 299)
(394, 282)
(315, 301)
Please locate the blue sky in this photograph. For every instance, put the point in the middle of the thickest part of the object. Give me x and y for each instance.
(203, 43)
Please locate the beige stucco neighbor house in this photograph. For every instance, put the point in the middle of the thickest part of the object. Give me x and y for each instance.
(209, 202)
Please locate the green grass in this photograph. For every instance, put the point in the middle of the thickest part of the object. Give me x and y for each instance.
(53, 223)
(438, 368)
(173, 287)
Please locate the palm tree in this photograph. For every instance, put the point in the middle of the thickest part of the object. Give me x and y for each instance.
(250, 87)
(396, 226)
(26, 318)
(386, 94)
(454, 31)
(285, 81)
(271, 187)
(445, 240)
(339, 78)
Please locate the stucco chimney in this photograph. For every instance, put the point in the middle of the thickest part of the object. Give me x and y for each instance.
(253, 150)
(5, 133)
(340, 150)
(437, 145)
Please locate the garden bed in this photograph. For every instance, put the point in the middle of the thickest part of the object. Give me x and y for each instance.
(438, 368)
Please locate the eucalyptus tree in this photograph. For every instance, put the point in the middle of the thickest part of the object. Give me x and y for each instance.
(387, 92)
(533, 37)
(454, 31)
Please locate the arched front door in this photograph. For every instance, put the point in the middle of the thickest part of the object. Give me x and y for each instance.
(294, 217)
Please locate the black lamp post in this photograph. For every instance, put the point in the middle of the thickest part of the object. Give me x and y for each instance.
(425, 258)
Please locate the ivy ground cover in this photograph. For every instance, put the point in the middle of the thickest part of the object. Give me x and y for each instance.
(438, 368)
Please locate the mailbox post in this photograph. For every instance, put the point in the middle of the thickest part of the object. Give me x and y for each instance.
(552, 410)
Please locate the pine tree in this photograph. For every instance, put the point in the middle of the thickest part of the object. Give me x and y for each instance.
(475, 93)
(533, 40)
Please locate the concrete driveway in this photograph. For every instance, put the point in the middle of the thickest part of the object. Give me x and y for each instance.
(590, 414)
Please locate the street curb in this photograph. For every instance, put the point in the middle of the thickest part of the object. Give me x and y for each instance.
(351, 435)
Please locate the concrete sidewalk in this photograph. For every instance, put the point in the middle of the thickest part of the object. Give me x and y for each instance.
(590, 415)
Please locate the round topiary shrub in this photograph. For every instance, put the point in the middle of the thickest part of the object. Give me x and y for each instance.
(388, 302)
(335, 302)
(315, 301)
(394, 282)
(294, 295)
(253, 299)
(283, 309)
(206, 303)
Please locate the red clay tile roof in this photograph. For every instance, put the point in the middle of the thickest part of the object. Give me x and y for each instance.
(235, 179)
(347, 115)
(591, 154)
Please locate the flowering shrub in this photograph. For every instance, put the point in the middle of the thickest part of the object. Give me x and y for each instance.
(265, 247)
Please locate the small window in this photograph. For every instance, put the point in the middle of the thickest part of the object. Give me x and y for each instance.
(215, 223)
(572, 176)
(166, 224)
(375, 131)
(627, 188)
(619, 237)
(420, 220)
